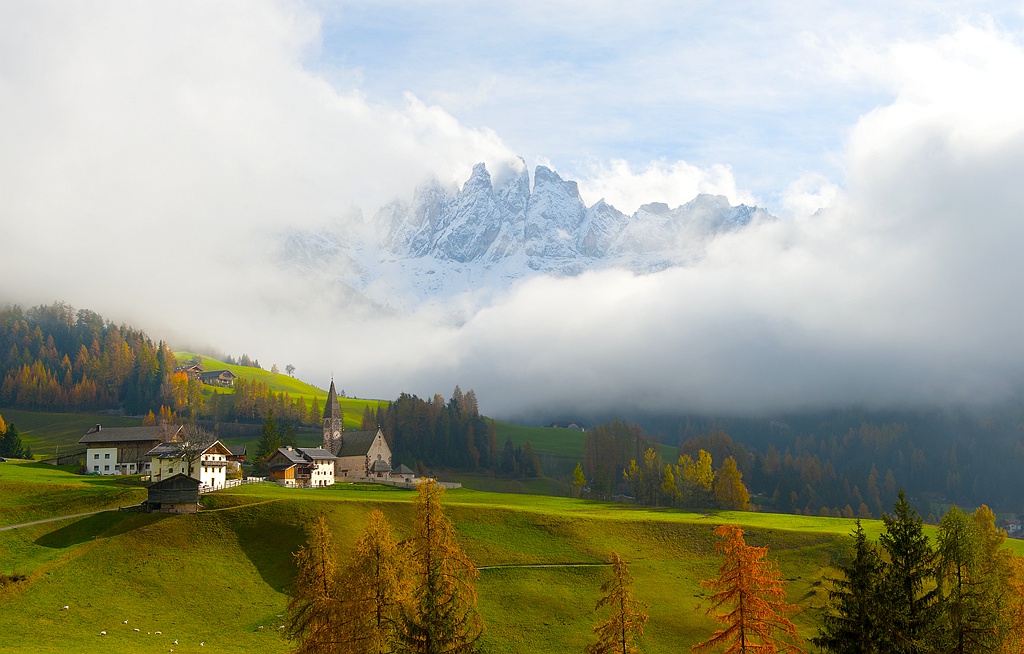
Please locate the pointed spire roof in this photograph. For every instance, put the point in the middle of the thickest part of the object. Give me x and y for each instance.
(331, 409)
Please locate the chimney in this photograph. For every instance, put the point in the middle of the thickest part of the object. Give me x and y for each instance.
(98, 426)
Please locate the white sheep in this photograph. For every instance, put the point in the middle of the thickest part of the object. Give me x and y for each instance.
(135, 630)
(103, 633)
(175, 642)
(125, 622)
(64, 608)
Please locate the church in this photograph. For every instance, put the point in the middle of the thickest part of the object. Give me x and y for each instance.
(361, 454)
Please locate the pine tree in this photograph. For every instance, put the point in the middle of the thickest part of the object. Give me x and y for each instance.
(373, 591)
(270, 438)
(442, 617)
(314, 607)
(910, 614)
(619, 633)
(751, 588)
(852, 624)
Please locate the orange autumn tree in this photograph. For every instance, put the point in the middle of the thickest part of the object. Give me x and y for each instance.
(750, 588)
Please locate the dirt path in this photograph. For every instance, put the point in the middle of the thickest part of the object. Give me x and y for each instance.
(63, 517)
(544, 565)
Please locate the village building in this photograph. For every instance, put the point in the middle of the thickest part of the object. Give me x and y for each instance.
(293, 467)
(123, 450)
(193, 370)
(224, 378)
(176, 494)
(403, 473)
(361, 454)
(210, 468)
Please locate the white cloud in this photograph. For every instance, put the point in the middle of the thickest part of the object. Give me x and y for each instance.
(150, 149)
(672, 183)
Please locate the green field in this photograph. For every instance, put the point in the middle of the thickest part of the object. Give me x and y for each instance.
(216, 577)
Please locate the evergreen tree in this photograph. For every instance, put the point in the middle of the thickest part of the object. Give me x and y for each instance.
(270, 439)
(11, 445)
(910, 613)
(852, 624)
(752, 590)
(314, 607)
(442, 617)
(619, 633)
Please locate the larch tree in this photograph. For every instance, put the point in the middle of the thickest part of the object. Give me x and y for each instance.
(730, 493)
(579, 481)
(851, 626)
(372, 592)
(1013, 607)
(751, 591)
(441, 617)
(314, 607)
(625, 626)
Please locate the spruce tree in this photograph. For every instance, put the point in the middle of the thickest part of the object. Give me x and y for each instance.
(851, 626)
(442, 617)
(910, 603)
(625, 626)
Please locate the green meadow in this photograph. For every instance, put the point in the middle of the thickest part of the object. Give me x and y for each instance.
(218, 576)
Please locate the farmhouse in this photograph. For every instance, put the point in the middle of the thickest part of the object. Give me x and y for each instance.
(123, 450)
(293, 467)
(224, 378)
(210, 468)
(177, 494)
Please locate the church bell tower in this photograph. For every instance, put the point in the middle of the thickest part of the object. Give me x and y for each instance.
(333, 427)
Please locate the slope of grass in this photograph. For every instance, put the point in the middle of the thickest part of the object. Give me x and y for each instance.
(216, 577)
(45, 432)
(37, 491)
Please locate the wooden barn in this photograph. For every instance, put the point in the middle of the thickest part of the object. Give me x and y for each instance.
(177, 494)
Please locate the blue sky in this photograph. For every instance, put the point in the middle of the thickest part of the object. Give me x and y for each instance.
(767, 88)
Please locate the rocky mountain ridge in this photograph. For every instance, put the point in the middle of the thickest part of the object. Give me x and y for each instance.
(491, 232)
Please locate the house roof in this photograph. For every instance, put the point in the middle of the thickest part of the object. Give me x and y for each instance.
(316, 454)
(281, 466)
(173, 450)
(332, 409)
(216, 373)
(180, 480)
(380, 465)
(357, 443)
(129, 434)
(293, 455)
(237, 450)
(403, 469)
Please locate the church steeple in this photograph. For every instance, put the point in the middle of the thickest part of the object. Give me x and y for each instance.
(333, 422)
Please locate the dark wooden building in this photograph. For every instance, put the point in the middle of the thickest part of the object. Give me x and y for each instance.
(177, 494)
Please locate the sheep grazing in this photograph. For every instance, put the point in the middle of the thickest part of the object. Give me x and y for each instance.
(175, 642)
(125, 622)
(202, 644)
(135, 630)
(103, 633)
(64, 608)
(158, 633)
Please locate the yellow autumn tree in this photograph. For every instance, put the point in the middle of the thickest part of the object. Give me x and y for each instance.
(749, 592)
(314, 609)
(730, 493)
(625, 626)
(372, 592)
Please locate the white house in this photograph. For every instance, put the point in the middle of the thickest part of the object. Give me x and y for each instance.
(308, 467)
(122, 450)
(168, 459)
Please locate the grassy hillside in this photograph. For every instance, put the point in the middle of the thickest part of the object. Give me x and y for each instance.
(218, 576)
(47, 433)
